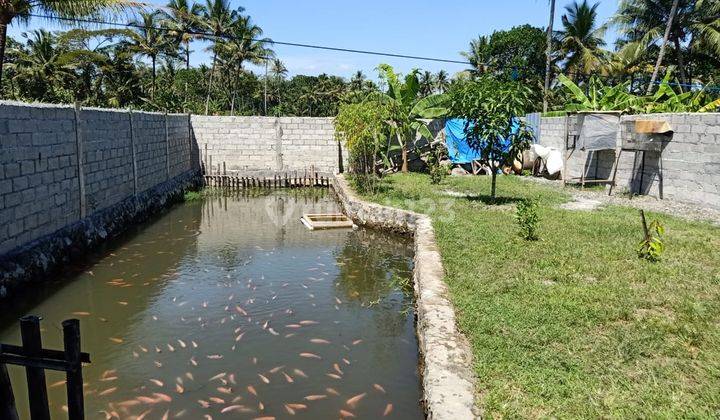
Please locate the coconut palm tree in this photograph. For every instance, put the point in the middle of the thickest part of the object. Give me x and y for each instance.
(243, 45)
(151, 41)
(477, 55)
(278, 69)
(442, 81)
(548, 55)
(218, 19)
(43, 68)
(694, 24)
(427, 83)
(182, 18)
(581, 38)
(20, 10)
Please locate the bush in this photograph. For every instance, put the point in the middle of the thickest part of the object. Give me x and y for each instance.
(527, 218)
(436, 170)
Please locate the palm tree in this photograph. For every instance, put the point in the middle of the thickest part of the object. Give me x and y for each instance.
(278, 69)
(442, 81)
(182, 20)
(20, 10)
(217, 18)
(243, 45)
(548, 55)
(427, 83)
(581, 38)
(477, 55)
(666, 36)
(44, 67)
(695, 23)
(357, 80)
(149, 40)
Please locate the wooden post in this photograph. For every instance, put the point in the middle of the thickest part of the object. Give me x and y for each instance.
(37, 390)
(7, 399)
(71, 337)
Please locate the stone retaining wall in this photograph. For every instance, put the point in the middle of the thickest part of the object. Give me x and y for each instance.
(448, 378)
(687, 170)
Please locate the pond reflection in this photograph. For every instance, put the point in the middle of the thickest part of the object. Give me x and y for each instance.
(229, 308)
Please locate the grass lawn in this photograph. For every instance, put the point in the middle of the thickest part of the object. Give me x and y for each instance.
(575, 325)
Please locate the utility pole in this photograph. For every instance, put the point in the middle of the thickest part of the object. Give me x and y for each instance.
(266, 77)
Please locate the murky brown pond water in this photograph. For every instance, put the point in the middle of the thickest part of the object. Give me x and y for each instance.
(230, 308)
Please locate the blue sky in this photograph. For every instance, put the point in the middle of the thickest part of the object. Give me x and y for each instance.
(421, 27)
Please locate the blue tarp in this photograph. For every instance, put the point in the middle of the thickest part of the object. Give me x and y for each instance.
(458, 149)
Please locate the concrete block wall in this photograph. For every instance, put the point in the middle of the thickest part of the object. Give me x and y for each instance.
(44, 187)
(39, 189)
(687, 170)
(249, 144)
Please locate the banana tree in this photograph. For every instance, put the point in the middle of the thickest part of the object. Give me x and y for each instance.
(409, 111)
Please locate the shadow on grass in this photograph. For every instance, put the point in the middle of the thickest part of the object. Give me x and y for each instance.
(494, 201)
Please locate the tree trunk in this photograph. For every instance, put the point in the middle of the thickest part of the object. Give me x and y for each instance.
(154, 72)
(673, 9)
(493, 174)
(404, 159)
(3, 40)
(210, 80)
(187, 54)
(548, 53)
(681, 62)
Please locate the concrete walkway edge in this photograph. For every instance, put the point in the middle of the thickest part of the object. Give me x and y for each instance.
(447, 369)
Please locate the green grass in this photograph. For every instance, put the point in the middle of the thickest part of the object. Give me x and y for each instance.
(575, 324)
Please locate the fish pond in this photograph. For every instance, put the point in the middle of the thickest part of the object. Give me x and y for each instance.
(228, 307)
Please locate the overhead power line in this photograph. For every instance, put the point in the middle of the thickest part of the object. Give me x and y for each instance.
(226, 36)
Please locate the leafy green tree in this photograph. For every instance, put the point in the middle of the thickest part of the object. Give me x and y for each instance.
(427, 83)
(518, 53)
(363, 129)
(490, 108)
(408, 109)
(20, 10)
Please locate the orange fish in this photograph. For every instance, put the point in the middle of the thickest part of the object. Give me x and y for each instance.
(334, 376)
(251, 389)
(344, 414)
(310, 355)
(388, 409)
(224, 390)
(356, 342)
(379, 388)
(157, 382)
(232, 408)
(108, 391)
(315, 397)
(289, 410)
(352, 402)
(217, 400)
(276, 369)
(264, 378)
(319, 341)
(332, 391)
(337, 368)
(288, 378)
(116, 340)
(81, 313)
(307, 322)
(162, 397)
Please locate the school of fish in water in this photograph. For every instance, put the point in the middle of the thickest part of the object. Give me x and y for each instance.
(212, 368)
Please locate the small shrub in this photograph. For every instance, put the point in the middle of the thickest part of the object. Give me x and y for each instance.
(364, 184)
(437, 170)
(527, 218)
(192, 195)
(652, 246)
